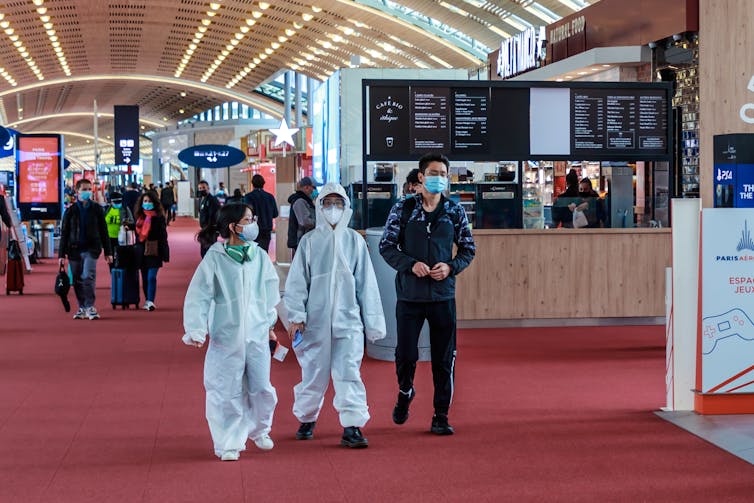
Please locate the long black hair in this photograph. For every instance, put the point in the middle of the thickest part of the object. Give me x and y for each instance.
(229, 214)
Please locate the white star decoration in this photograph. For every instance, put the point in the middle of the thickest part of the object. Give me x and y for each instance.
(284, 134)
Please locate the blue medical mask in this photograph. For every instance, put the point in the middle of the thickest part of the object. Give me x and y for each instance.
(85, 195)
(117, 206)
(435, 184)
(315, 194)
(409, 196)
(147, 206)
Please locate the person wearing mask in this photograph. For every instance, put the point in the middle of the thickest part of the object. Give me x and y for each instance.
(83, 236)
(302, 216)
(208, 208)
(332, 300)
(167, 200)
(566, 202)
(412, 184)
(237, 197)
(418, 243)
(265, 208)
(232, 297)
(116, 216)
(591, 204)
(151, 244)
(131, 196)
(221, 195)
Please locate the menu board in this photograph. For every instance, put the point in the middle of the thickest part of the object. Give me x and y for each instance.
(470, 120)
(388, 124)
(430, 122)
(608, 122)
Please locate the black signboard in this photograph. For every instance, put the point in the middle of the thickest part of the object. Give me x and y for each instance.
(388, 121)
(126, 134)
(430, 119)
(608, 122)
(470, 122)
(493, 121)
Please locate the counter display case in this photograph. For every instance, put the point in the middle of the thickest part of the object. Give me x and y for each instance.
(498, 206)
(465, 195)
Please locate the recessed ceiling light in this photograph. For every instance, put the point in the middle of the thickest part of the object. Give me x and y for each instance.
(183, 94)
(316, 8)
(306, 16)
(264, 5)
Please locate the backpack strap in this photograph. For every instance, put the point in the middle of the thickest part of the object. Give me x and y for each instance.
(406, 211)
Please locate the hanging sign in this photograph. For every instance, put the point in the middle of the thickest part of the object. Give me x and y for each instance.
(211, 156)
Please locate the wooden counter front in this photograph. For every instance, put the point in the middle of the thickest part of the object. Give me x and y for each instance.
(565, 273)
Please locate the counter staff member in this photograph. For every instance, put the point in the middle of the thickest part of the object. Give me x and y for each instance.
(418, 243)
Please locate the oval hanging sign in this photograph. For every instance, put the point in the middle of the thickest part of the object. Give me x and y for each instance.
(7, 141)
(211, 156)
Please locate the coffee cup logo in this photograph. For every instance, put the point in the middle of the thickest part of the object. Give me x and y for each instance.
(389, 141)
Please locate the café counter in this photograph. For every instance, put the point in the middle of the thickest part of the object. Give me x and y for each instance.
(528, 274)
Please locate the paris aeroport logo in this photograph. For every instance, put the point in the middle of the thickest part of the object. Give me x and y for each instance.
(745, 243)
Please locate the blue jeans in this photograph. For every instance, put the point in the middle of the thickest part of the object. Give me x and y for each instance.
(149, 282)
(84, 272)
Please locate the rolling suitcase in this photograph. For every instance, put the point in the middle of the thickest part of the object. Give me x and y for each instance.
(14, 279)
(124, 288)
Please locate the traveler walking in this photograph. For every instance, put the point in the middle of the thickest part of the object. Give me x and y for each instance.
(83, 236)
(130, 196)
(117, 216)
(167, 200)
(152, 247)
(232, 297)
(265, 208)
(302, 216)
(208, 208)
(418, 243)
(332, 300)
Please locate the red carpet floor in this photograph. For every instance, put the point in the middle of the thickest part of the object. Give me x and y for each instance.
(113, 411)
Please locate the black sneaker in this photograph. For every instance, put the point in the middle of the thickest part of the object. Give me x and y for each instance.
(440, 425)
(305, 431)
(400, 412)
(352, 437)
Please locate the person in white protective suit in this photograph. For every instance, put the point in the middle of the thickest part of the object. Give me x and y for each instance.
(232, 296)
(332, 299)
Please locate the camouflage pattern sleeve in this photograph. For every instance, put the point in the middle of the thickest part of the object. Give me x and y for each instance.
(463, 239)
(389, 248)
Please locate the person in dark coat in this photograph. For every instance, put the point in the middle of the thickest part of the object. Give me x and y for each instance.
(167, 200)
(302, 218)
(4, 215)
(265, 208)
(130, 196)
(208, 208)
(562, 209)
(151, 243)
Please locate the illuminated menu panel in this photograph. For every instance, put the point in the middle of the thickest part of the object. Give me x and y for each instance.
(430, 119)
(470, 120)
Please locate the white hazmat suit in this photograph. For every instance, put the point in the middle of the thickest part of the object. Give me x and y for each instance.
(332, 288)
(235, 304)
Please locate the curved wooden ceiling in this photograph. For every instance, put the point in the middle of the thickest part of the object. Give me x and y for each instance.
(177, 58)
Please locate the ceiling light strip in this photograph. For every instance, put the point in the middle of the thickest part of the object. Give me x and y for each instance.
(49, 27)
(19, 45)
(198, 36)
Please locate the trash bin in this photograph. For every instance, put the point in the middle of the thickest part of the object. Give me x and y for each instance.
(48, 241)
(385, 349)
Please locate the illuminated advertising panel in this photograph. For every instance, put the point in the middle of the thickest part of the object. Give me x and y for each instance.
(39, 160)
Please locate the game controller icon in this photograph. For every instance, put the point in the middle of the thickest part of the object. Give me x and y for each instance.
(734, 323)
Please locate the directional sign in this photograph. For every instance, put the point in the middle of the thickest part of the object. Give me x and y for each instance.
(211, 156)
(7, 141)
(126, 134)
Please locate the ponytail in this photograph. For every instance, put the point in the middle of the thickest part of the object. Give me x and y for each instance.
(207, 236)
(228, 214)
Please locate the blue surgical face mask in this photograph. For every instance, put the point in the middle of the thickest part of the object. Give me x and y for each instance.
(315, 194)
(85, 195)
(409, 196)
(147, 206)
(117, 206)
(435, 184)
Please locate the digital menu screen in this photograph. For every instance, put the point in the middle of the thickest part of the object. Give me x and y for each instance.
(430, 119)
(39, 184)
(608, 122)
(470, 122)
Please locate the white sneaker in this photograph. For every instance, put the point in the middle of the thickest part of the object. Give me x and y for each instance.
(264, 442)
(149, 306)
(81, 314)
(230, 456)
(92, 313)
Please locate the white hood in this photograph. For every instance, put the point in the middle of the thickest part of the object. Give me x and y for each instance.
(326, 190)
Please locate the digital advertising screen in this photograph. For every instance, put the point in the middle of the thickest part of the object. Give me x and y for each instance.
(39, 170)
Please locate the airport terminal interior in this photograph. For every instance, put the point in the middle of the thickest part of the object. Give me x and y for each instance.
(601, 153)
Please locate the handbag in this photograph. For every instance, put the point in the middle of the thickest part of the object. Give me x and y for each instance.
(62, 286)
(126, 237)
(579, 219)
(151, 248)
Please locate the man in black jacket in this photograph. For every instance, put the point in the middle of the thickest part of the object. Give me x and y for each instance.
(83, 236)
(208, 208)
(418, 243)
(302, 217)
(265, 209)
(167, 200)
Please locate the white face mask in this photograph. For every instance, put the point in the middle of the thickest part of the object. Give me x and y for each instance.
(249, 232)
(333, 214)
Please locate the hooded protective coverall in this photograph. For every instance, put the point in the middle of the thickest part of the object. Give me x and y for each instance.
(235, 304)
(332, 288)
